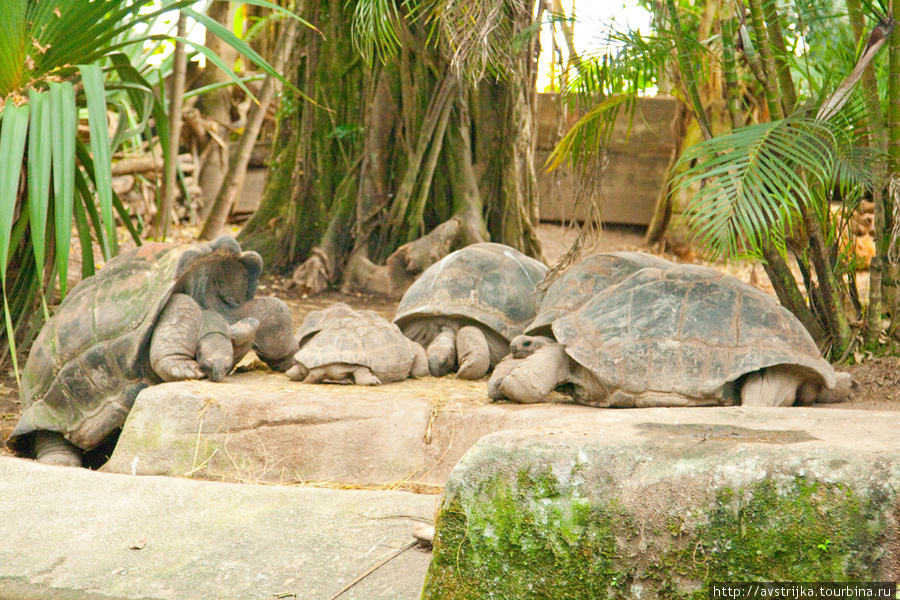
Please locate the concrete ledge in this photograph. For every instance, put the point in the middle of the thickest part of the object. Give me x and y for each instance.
(258, 427)
(654, 503)
(77, 534)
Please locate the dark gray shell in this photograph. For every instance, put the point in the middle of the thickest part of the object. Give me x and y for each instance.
(89, 361)
(362, 338)
(491, 284)
(586, 279)
(687, 330)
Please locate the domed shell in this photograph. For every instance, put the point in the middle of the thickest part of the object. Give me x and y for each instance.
(688, 330)
(361, 338)
(491, 284)
(89, 361)
(316, 320)
(586, 279)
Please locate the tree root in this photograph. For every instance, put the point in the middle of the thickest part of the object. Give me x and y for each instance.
(406, 263)
(313, 276)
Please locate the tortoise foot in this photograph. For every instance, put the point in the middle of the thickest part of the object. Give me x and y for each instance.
(51, 448)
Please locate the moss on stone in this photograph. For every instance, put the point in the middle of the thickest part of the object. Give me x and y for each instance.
(532, 539)
(800, 530)
(524, 541)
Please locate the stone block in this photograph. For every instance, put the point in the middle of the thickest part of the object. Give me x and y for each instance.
(659, 503)
(262, 428)
(75, 534)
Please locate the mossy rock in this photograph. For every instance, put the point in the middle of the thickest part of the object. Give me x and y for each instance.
(659, 503)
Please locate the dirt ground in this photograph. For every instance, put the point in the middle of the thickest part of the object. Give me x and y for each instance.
(878, 378)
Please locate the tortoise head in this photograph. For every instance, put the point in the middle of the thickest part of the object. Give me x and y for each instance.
(218, 275)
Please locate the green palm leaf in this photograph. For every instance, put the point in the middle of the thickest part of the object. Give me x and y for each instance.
(39, 158)
(12, 147)
(92, 79)
(13, 133)
(755, 179)
(63, 117)
(591, 132)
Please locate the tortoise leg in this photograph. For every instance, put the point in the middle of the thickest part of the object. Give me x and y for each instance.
(173, 345)
(215, 353)
(419, 367)
(297, 373)
(363, 376)
(473, 353)
(242, 335)
(51, 448)
(316, 375)
(275, 343)
(442, 352)
(503, 368)
(537, 376)
(774, 386)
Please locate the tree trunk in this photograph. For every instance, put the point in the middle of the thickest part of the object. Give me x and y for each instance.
(217, 106)
(875, 138)
(371, 194)
(237, 163)
(176, 93)
(890, 272)
(786, 87)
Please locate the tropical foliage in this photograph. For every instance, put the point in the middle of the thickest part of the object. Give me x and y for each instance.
(65, 64)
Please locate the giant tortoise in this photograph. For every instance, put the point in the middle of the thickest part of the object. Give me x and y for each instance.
(159, 312)
(682, 336)
(567, 293)
(465, 308)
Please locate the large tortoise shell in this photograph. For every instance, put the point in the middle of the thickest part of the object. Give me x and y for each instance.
(491, 284)
(584, 280)
(687, 330)
(89, 361)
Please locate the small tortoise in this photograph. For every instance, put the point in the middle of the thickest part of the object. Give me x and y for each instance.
(465, 308)
(159, 312)
(360, 347)
(315, 320)
(683, 336)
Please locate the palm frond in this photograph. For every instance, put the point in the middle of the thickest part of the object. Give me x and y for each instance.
(606, 84)
(39, 157)
(753, 180)
(95, 93)
(631, 63)
(64, 121)
(591, 133)
(13, 133)
(374, 31)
